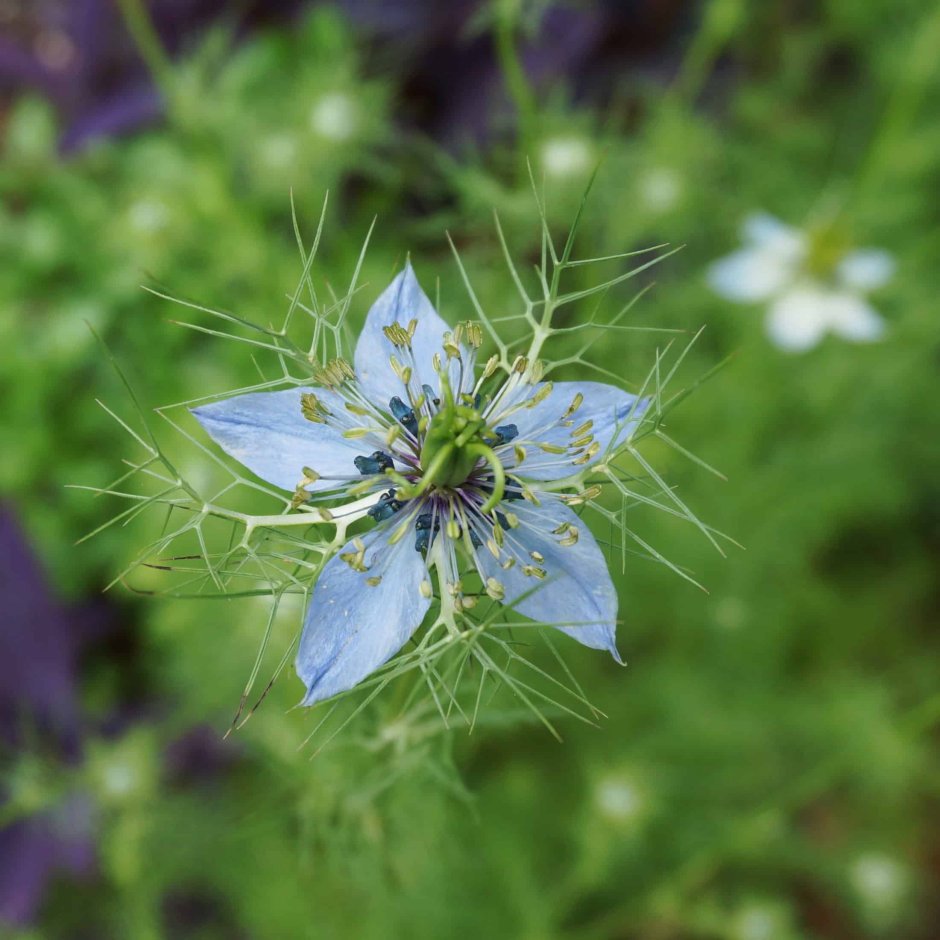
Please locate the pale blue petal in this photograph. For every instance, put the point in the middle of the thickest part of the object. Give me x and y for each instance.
(402, 301)
(351, 627)
(615, 413)
(577, 588)
(267, 432)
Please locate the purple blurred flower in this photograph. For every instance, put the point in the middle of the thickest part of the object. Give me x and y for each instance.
(39, 647)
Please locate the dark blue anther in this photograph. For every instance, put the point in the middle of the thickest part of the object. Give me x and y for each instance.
(379, 462)
(423, 530)
(422, 540)
(429, 395)
(512, 491)
(506, 433)
(404, 415)
(502, 520)
(475, 539)
(386, 507)
(477, 400)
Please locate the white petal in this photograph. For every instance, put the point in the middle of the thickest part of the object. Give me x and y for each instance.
(750, 275)
(866, 269)
(761, 228)
(854, 319)
(798, 319)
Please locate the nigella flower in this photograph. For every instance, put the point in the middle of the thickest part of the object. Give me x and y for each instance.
(812, 282)
(461, 475)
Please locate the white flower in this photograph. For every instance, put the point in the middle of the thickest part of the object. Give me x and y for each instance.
(660, 189)
(334, 116)
(566, 156)
(811, 289)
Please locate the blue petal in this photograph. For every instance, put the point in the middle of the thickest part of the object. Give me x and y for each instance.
(267, 432)
(351, 627)
(402, 301)
(577, 588)
(615, 413)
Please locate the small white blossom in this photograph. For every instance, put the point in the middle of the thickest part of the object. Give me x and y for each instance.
(334, 116)
(566, 156)
(660, 189)
(812, 287)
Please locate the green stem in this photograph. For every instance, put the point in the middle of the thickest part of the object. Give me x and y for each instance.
(140, 26)
(514, 74)
(912, 82)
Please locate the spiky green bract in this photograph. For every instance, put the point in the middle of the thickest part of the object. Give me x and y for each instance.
(471, 651)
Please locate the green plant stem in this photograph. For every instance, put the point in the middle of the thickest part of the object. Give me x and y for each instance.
(140, 26)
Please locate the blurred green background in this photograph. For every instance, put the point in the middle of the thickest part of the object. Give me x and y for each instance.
(768, 769)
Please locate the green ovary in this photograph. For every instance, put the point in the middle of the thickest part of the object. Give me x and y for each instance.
(452, 446)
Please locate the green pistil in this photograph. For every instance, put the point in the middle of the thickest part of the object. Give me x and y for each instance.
(457, 439)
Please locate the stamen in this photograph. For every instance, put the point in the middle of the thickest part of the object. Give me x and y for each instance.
(404, 415)
(379, 462)
(386, 507)
(495, 589)
(506, 433)
(540, 395)
(312, 408)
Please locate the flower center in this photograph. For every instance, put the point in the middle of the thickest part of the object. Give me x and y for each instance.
(455, 441)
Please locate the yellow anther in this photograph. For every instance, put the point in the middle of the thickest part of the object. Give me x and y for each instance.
(312, 408)
(398, 335)
(355, 560)
(392, 434)
(403, 529)
(582, 429)
(310, 476)
(492, 364)
(354, 434)
(530, 497)
(495, 589)
(537, 557)
(425, 588)
(374, 581)
(512, 520)
(300, 497)
(571, 538)
(531, 571)
(540, 395)
(576, 403)
(493, 548)
(591, 452)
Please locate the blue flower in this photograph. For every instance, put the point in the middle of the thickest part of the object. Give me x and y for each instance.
(451, 466)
